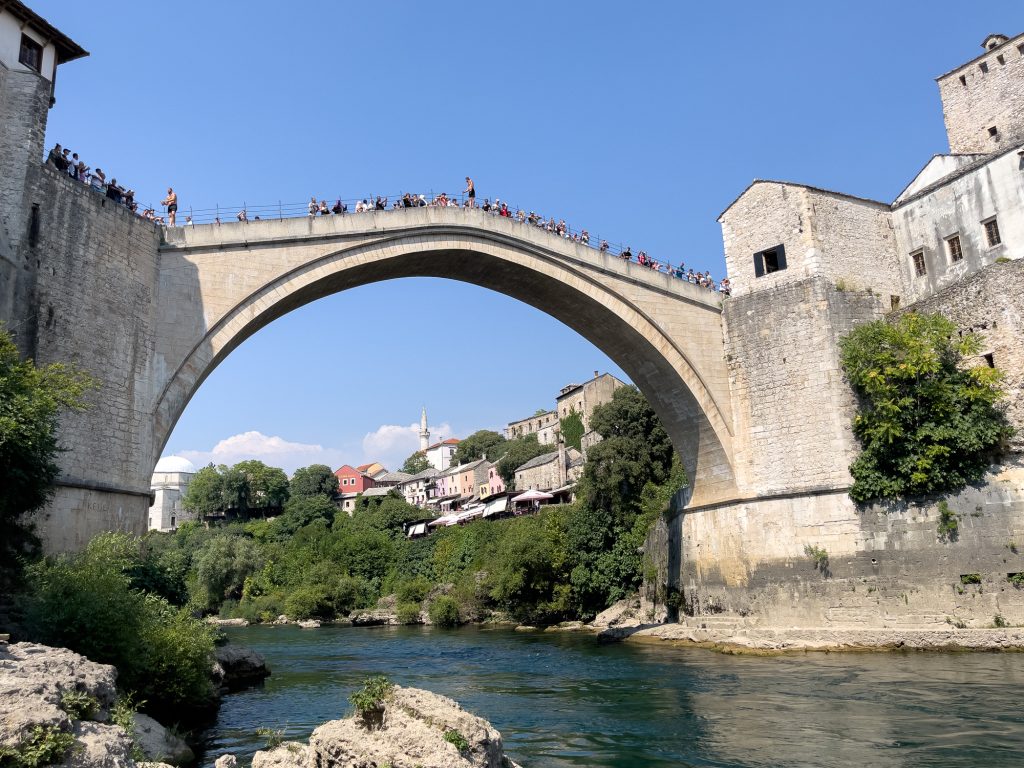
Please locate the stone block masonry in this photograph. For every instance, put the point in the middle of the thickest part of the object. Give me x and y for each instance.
(94, 295)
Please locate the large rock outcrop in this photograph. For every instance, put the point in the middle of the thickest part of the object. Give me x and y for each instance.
(416, 729)
(236, 666)
(35, 681)
(57, 695)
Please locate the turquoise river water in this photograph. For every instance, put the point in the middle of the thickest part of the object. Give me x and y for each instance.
(566, 700)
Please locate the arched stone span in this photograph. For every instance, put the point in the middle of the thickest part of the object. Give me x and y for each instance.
(220, 284)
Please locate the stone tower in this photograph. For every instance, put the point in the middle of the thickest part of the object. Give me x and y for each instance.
(424, 432)
(983, 100)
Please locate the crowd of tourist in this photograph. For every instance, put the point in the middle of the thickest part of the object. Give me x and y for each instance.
(66, 161)
(499, 208)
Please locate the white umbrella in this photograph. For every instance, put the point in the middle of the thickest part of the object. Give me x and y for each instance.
(532, 495)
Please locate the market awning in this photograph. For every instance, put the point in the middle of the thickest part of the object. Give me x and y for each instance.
(533, 495)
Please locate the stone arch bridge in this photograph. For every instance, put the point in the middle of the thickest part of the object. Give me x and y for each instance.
(151, 314)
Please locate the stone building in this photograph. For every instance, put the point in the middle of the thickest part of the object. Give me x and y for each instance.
(31, 49)
(170, 482)
(584, 398)
(418, 489)
(544, 425)
(807, 265)
(550, 471)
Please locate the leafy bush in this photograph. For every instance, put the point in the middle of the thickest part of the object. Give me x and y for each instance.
(31, 401)
(456, 739)
(444, 612)
(44, 746)
(818, 555)
(79, 705)
(309, 602)
(413, 590)
(949, 524)
(369, 700)
(86, 603)
(408, 613)
(571, 427)
(926, 424)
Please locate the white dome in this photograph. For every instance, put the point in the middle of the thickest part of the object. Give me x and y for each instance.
(174, 464)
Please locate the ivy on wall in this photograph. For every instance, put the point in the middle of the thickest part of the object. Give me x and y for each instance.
(926, 422)
(572, 430)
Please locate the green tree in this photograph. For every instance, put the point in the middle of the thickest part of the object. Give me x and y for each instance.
(480, 443)
(572, 430)
(31, 401)
(926, 423)
(220, 569)
(314, 480)
(300, 511)
(205, 494)
(518, 452)
(416, 463)
(236, 491)
(267, 486)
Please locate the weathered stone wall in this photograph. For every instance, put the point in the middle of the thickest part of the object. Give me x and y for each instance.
(925, 222)
(886, 565)
(985, 99)
(24, 102)
(991, 304)
(94, 298)
(790, 399)
(843, 239)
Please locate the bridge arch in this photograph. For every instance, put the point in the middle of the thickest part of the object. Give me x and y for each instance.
(219, 285)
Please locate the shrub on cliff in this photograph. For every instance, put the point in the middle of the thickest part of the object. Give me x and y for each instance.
(926, 423)
(87, 603)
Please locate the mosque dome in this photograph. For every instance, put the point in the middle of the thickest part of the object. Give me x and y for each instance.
(174, 464)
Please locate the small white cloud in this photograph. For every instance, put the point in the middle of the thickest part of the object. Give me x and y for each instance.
(275, 451)
(391, 444)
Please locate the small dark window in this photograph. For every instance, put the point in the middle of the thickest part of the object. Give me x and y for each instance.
(990, 360)
(769, 260)
(992, 232)
(919, 267)
(31, 54)
(963, 79)
(1001, 59)
(983, 66)
(894, 302)
(33, 227)
(1020, 48)
(955, 251)
(993, 131)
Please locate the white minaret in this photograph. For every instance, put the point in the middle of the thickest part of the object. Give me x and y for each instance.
(424, 432)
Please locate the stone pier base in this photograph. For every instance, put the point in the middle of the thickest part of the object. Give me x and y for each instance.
(75, 514)
(752, 563)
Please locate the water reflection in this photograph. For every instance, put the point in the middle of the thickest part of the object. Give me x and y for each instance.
(565, 700)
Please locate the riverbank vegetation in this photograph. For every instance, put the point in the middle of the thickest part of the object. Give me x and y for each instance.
(313, 561)
(927, 422)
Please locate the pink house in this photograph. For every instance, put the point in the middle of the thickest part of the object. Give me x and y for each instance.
(494, 480)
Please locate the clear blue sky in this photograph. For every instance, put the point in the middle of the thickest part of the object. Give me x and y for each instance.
(639, 121)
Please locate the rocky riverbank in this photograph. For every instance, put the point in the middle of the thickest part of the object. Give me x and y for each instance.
(59, 708)
(626, 621)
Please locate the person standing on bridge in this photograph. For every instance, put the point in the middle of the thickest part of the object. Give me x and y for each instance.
(171, 201)
(470, 191)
